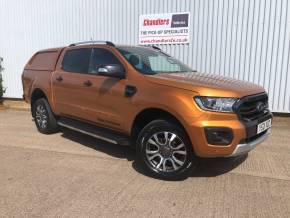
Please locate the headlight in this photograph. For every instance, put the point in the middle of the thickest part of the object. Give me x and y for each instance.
(215, 103)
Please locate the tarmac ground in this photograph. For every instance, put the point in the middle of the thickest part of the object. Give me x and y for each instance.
(73, 175)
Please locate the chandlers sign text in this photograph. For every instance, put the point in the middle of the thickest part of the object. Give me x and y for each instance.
(171, 28)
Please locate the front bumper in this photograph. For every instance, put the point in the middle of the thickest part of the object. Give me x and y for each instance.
(245, 137)
(246, 147)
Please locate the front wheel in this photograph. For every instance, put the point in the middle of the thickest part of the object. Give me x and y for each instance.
(165, 150)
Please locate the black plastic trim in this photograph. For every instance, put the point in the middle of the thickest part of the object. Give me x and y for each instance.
(209, 131)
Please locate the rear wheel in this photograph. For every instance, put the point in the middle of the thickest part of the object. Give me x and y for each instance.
(45, 120)
(165, 150)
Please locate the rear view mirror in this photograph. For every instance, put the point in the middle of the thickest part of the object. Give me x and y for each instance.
(112, 70)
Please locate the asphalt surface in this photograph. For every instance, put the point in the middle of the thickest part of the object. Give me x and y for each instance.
(72, 175)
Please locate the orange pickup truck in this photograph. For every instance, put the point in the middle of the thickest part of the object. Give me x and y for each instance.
(141, 97)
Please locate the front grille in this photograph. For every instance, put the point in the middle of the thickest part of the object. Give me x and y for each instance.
(251, 111)
(252, 107)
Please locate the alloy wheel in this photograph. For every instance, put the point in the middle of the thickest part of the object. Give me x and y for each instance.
(166, 152)
(41, 116)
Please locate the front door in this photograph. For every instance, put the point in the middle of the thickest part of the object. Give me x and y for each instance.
(111, 102)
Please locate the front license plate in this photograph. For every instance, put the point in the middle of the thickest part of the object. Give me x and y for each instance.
(264, 126)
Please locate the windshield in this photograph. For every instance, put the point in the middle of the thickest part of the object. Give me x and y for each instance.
(152, 61)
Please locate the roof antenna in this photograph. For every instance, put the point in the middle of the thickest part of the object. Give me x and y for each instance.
(92, 39)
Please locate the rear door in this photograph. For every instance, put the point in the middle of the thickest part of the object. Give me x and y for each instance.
(74, 92)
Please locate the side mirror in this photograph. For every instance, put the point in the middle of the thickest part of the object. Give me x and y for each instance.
(112, 70)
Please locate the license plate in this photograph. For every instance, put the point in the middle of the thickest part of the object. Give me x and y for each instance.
(264, 126)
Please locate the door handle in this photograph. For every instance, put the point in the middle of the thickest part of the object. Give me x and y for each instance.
(88, 83)
(59, 78)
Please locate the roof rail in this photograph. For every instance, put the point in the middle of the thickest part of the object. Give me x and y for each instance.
(93, 42)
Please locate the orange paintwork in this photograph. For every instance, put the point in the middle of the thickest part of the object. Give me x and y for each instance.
(105, 100)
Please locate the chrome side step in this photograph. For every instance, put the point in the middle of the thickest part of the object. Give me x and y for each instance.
(94, 131)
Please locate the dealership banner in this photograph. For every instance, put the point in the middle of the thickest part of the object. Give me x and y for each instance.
(170, 28)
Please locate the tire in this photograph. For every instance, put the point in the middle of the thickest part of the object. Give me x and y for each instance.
(45, 120)
(165, 151)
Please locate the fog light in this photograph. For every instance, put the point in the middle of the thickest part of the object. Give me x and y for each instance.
(218, 136)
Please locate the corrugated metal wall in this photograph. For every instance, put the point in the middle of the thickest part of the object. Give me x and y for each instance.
(245, 39)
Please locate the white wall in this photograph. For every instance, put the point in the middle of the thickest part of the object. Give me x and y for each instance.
(245, 39)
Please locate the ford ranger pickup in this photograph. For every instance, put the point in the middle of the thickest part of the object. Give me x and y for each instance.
(142, 97)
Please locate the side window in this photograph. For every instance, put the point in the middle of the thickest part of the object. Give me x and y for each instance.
(77, 60)
(135, 60)
(101, 57)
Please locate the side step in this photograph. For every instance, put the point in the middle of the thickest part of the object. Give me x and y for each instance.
(95, 131)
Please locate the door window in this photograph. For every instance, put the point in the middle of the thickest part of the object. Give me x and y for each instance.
(100, 58)
(77, 60)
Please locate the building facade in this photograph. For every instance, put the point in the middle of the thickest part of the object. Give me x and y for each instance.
(243, 39)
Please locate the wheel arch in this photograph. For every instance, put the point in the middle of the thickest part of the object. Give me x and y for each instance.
(37, 94)
(149, 114)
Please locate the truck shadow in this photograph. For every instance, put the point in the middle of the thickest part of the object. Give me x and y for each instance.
(207, 167)
(117, 151)
(211, 167)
